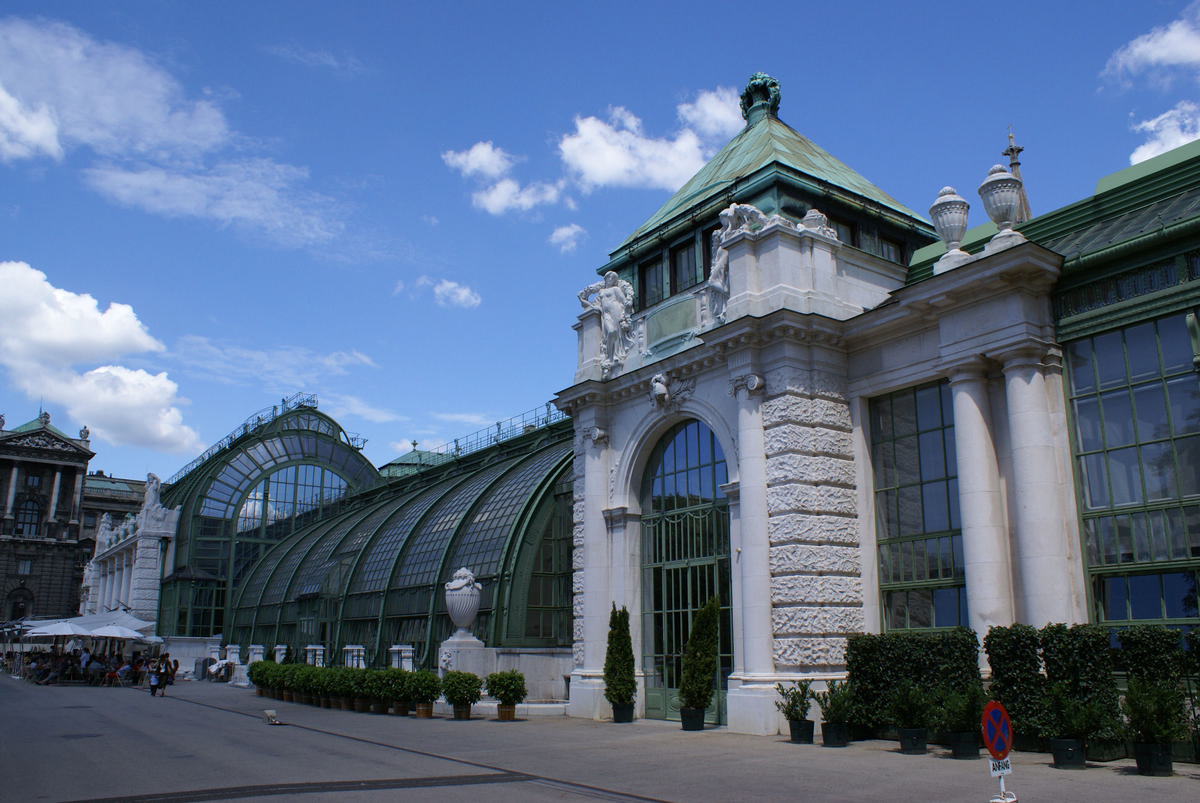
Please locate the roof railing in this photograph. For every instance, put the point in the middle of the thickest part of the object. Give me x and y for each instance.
(501, 431)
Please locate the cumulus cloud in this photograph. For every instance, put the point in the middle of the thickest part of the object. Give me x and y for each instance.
(567, 237)
(1162, 52)
(282, 369)
(451, 294)
(482, 159)
(506, 194)
(1159, 57)
(48, 334)
(1168, 131)
(612, 152)
(154, 148)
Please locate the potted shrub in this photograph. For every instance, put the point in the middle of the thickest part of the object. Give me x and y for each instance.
(341, 687)
(256, 672)
(395, 683)
(360, 685)
(378, 690)
(961, 715)
(620, 685)
(462, 690)
(794, 703)
(423, 688)
(835, 703)
(509, 690)
(911, 710)
(699, 666)
(1155, 717)
(1070, 724)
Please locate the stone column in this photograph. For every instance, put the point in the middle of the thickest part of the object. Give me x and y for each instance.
(402, 656)
(256, 653)
(754, 557)
(985, 541)
(233, 654)
(1037, 493)
(280, 653)
(12, 493)
(54, 496)
(77, 496)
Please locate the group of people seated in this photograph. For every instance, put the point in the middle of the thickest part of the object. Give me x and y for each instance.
(46, 668)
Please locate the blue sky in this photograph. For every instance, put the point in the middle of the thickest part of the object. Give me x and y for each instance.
(205, 207)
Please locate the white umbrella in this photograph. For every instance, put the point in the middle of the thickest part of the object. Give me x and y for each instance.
(59, 629)
(117, 632)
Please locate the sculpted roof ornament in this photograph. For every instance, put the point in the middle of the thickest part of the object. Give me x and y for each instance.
(760, 89)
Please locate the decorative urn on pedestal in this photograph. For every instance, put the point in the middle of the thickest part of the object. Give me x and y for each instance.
(1001, 195)
(462, 601)
(949, 216)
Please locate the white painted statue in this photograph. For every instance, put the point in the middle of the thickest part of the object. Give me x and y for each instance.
(614, 299)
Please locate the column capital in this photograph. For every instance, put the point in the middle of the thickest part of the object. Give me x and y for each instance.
(1034, 354)
(748, 384)
(973, 368)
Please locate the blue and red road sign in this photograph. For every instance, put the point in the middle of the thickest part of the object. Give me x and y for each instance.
(997, 730)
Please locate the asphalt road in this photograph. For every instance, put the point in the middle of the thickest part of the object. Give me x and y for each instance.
(208, 741)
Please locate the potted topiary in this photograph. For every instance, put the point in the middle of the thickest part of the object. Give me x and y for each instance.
(794, 703)
(699, 666)
(509, 690)
(462, 690)
(911, 710)
(360, 680)
(1155, 717)
(620, 685)
(960, 718)
(395, 682)
(835, 702)
(379, 690)
(341, 687)
(256, 672)
(423, 688)
(1069, 723)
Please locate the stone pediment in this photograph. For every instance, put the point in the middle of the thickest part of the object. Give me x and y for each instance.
(46, 441)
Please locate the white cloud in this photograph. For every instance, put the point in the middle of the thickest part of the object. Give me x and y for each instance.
(453, 294)
(567, 237)
(340, 406)
(482, 159)
(260, 196)
(1162, 51)
(47, 332)
(507, 194)
(159, 150)
(478, 420)
(715, 114)
(282, 370)
(316, 58)
(1168, 131)
(25, 133)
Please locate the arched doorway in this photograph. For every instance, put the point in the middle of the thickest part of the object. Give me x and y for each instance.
(685, 560)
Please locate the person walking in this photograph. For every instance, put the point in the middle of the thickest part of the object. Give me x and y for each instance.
(155, 677)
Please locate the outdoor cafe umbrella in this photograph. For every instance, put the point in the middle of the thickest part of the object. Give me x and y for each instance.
(57, 629)
(118, 632)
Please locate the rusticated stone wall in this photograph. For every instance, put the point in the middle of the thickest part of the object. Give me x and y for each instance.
(816, 583)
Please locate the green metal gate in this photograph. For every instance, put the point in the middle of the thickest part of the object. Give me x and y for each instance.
(685, 562)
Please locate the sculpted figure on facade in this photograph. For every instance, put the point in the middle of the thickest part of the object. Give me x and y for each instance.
(104, 532)
(613, 297)
(718, 279)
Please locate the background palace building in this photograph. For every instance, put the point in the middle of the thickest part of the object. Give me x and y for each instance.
(792, 392)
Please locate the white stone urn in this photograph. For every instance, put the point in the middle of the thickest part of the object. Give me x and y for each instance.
(1001, 195)
(949, 215)
(462, 601)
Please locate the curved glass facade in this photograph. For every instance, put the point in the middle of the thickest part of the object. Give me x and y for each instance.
(271, 481)
(373, 573)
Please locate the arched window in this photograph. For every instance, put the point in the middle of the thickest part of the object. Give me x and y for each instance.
(29, 517)
(685, 559)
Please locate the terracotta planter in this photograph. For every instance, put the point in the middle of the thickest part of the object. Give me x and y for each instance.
(462, 712)
(506, 713)
(801, 730)
(400, 708)
(424, 710)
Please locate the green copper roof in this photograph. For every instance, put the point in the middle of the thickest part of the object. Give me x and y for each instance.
(765, 143)
(36, 424)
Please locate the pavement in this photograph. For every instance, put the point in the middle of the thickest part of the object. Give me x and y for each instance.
(210, 741)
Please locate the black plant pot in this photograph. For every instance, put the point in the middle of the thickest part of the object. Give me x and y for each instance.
(1153, 759)
(964, 744)
(692, 719)
(834, 734)
(801, 730)
(913, 741)
(622, 712)
(1069, 754)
